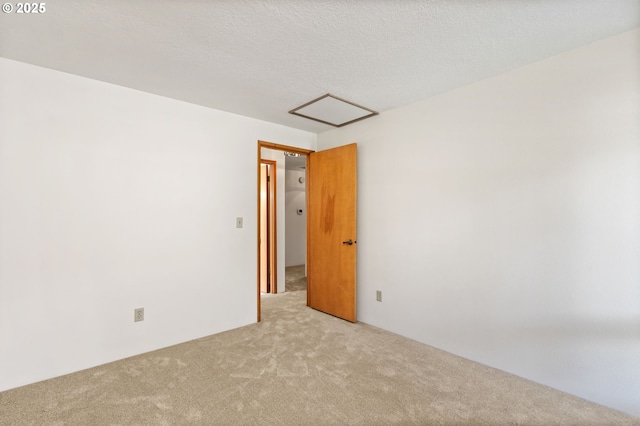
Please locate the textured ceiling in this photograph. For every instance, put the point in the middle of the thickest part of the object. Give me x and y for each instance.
(263, 58)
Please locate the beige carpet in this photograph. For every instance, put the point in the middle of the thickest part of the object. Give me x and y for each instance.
(297, 367)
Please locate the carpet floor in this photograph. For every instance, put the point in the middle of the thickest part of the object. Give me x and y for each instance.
(297, 367)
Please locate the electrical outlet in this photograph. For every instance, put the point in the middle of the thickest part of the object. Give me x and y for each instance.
(379, 296)
(138, 314)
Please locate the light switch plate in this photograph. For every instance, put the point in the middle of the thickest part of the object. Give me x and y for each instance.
(138, 314)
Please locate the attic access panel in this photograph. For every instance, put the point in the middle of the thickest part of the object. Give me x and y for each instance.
(332, 110)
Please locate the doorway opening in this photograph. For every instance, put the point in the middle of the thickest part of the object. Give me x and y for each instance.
(268, 241)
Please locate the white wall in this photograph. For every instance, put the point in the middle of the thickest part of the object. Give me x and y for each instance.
(113, 199)
(502, 221)
(296, 225)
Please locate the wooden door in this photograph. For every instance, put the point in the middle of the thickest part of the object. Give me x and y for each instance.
(331, 231)
(267, 257)
(264, 229)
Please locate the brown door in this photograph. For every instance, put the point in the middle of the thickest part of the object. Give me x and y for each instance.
(331, 231)
(267, 259)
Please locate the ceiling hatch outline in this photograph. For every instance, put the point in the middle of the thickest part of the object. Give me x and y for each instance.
(332, 110)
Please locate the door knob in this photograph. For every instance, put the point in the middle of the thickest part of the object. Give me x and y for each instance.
(349, 242)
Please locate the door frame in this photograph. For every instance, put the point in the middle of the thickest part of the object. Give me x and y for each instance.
(276, 147)
(271, 234)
